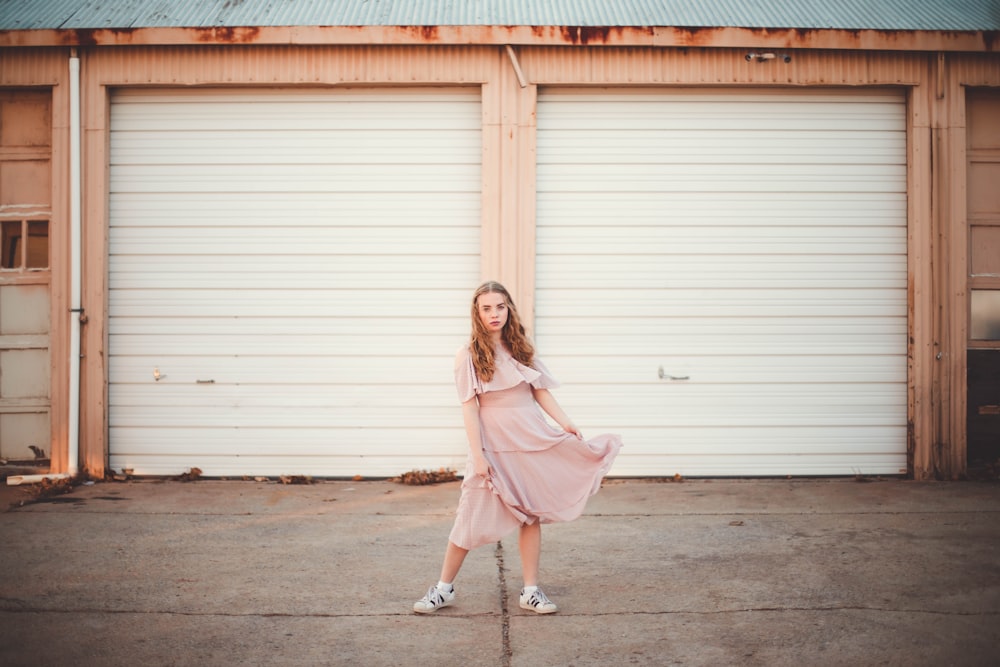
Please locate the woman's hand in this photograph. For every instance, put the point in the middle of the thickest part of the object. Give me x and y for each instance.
(571, 428)
(480, 466)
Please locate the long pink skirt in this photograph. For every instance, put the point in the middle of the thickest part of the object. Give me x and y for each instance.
(539, 473)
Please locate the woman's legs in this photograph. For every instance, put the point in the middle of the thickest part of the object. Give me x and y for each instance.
(439, 595)
(532, 597)
(454, 556)
(530, 543)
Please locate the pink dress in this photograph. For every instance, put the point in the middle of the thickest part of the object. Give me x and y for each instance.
(539, 472)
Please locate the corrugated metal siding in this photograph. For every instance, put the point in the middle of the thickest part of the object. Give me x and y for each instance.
(754, 242)
(276, 65)
(556, 65)
(295, 266)
(975, 69)
(32, 67)
(813, 14)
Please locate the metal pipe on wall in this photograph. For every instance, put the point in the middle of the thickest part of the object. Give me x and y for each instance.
(75, 224)
(521, 80)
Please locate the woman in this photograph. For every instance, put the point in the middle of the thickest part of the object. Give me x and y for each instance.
(521, 471)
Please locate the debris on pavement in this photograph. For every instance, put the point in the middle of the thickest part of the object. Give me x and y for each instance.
(421, 477)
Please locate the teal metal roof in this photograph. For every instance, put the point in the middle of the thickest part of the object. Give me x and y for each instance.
(905, 15)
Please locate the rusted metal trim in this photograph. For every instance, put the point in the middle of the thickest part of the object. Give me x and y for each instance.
(661, 36)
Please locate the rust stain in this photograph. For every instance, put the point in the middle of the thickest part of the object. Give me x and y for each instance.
(812, 37)
(794, 37)
(120, 36)
(990, 38)
(695, 36)
(911, 448)
(95, 36)
(227, 35)
(427, 33)
(585, 35)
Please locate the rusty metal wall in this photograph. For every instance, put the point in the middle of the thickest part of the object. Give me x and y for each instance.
(293, 66)
(33, 66)
(718, 67)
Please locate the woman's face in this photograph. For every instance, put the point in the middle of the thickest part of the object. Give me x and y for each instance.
(492, 309)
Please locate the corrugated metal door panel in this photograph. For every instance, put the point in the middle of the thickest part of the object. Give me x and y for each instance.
(293, 266)
(752, 242)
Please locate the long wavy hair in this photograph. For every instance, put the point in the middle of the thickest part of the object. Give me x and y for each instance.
(513, 335)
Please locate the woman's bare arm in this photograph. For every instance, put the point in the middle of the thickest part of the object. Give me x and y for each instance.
(551, 406)
(470, 415)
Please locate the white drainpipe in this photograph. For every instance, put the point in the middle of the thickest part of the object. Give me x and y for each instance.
(75, 273)
(17, 480)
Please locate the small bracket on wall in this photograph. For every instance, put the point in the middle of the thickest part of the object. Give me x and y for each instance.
(667, 376)
(766, 56)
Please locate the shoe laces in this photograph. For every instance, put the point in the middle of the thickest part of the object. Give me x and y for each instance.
(538, 598)
(434, 596)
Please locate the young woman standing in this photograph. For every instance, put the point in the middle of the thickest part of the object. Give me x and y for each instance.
(521, 471)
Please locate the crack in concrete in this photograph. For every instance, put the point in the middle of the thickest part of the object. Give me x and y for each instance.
(506, 653)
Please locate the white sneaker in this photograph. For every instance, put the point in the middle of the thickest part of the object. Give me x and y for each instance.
(434, 600)
(537, 602)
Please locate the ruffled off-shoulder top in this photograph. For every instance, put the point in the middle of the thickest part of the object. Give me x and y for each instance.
(509, 372)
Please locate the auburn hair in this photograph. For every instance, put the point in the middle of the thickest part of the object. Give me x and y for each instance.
(513, 335)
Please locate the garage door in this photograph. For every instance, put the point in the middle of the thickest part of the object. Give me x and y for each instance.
(722, 276)
(289, 274)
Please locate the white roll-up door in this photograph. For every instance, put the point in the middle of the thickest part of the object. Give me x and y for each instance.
(289, 277)
(722, 276)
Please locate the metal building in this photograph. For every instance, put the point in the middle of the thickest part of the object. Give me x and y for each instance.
(754, 239)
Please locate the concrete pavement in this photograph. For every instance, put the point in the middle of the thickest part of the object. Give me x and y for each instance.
(701, 572)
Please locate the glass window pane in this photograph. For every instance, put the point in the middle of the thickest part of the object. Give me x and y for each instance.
(10, 244)
(38, 244)
(985, 315)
